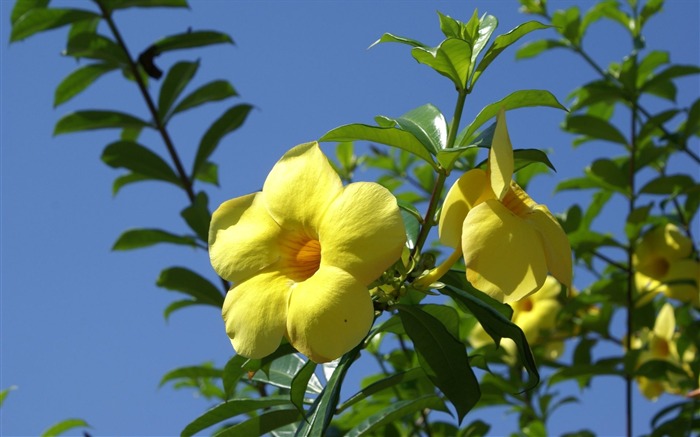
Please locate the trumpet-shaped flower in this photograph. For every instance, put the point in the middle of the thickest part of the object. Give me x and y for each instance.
(300, 255)
(663, 265)
(509, 242)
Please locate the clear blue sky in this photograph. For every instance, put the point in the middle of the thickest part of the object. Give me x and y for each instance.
(82, 330)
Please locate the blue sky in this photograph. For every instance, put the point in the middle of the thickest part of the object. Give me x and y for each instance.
(81, 327)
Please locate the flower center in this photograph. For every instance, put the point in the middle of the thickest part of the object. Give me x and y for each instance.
(657, 268)
(660, 348)
(525, 305)
(302, 257)
(517, 200)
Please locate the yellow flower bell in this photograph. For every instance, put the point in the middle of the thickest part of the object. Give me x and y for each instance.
(509, 242)
(301, 254)
(663, 265)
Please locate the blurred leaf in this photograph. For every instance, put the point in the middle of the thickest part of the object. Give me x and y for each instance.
(175, 82)
(63, 426)
(40, 19)
(262, 424)
(139, 159)
(210, 92)
(669, 73)
(648, 64)
(383, 384)
(229, 121)
(568, 23)
(534, 48)
(594, 127)
(611, 173)
(501, 43)
(300, 384)
(596, 92)
(112, 5)
(90, 120)
(209, 173)
(190, 40)
(5, 392)
(452, 59)
(188, 282)
(229, 409)
(586, 371)
(650, 8)
(21, 7)
(393, 137)
(518, 99)
(197, 216)
(126, 179)
(442, 357)
(138, 238)
(477, 428)
(396, 411)
(178, 305)
(93, 46)
(668, 185)
(79, 80)
(190, 372)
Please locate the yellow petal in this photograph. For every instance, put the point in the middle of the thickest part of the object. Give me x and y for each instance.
(501, 163)
(542, 317)
(549, 291)
(471, 189)
(255, 312)
(557, 248)
(300, 187)
(362, 231)
(242, 238)
(502, 252)
(329, 314)
(665, 325)
(683, 279)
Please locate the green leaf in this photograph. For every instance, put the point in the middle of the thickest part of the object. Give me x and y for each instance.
(487, 25)
(669, 73)
(190, 40)
(262, 424)
(501, 43)
(611, 173)
(233, 371)
(197, 216)
(300, 384)
(229, 121)
(5, 392)
(126, 179)
(112, 5)
(188, 282)
(63, 426)
(39, 19)
(90, 120)
(428, 125)
(175, 82)
(21, 7)
(138, 238)
(387, 37)
(389, 136)
(395, 412)
(534, 48)
(93, 46)
(210, 92)
(568, 23)
(209, 173)
(412, 227)
(229, 409)
(594, 127)
(668, 185)
(190, 372)
(139, 159)
(446, 315)
(452, 59)
(518, 99)
(79, 80)
(324, 406)
(524, 157)
(178, 305)
(442, 357)
(281, 372)
(383, 384)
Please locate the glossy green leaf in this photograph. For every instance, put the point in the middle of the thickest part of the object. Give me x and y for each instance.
(230, 409)
(234, 369)
(90, 120)
(301, 382)
(175, 82)
(229, 121)
(452, 59)
(324, 406)
(668, 185)
(123, 4)
(387, 37)
(79, 80)
(501, 43)
(389, 136)
(197, 216)
(138, 238)
(428, 125)
(262, 424)
(93, 46)
(188, 282)
(443, 358)
(594, 127)
(21, 7)
(395, 412)
(190, 40)
(40, 19)
(139, 159)
(487, 25)
(281, 372)
(210, 92)
(518, 99)
(534, 48)
(524, 157)
(64, 426)
(383, 384)
(190, 372)
(412, 227)
(445, 314)
(178, 305)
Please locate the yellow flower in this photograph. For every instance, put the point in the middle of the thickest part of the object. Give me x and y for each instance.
(660, 344)
(663, 266)
(301, 254)
(509, 242)
(536, 315)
